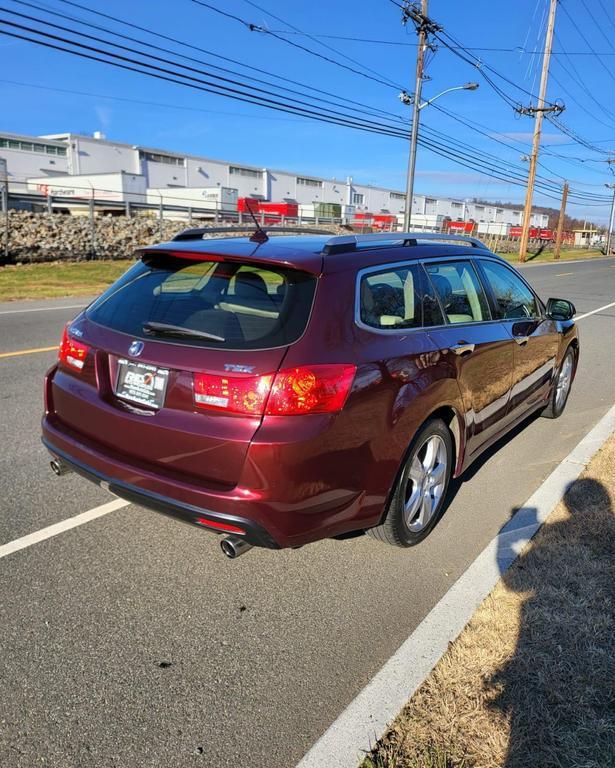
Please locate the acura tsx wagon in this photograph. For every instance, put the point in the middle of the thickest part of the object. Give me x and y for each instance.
(284, 389)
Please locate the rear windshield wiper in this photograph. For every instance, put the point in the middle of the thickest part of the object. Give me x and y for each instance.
(164, 329)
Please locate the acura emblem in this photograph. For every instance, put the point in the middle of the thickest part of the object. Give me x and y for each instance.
(136, 348)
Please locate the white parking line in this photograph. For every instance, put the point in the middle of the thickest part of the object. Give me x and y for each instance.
(366, 718)
(57, 528)
(595, 311)
(40, 309)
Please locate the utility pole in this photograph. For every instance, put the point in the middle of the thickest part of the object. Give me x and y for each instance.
(538, 111)
(416, 107)
(609, 235)
(560, 223)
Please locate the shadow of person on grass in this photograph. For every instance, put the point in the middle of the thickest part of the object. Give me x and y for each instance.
(558, 690)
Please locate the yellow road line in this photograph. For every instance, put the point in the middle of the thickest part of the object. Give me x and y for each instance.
(27, 351)
(563, 274)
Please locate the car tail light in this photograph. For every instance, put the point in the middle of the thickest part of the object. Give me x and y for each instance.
(72, 353)
(310, 389)
(233, 394)
(307, 389)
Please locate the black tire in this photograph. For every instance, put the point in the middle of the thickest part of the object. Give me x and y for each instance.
(556, 404)
(396, 528)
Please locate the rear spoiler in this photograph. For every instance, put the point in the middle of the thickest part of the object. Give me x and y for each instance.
(245, 252)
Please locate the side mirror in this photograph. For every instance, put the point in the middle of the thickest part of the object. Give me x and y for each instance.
(560, 309)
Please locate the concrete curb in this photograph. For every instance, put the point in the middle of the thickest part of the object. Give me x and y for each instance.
(366, 718)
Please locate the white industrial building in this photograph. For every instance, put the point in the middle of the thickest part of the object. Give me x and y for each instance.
(92, 166)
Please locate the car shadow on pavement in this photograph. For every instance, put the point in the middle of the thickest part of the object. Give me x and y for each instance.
(557, 691)
(478, 463)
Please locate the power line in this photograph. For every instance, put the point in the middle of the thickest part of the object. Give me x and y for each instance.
(578, 29)
(297, 30)
(256, 28)
(184, 44)
(227, 85)
(469, 160)
(375, 111)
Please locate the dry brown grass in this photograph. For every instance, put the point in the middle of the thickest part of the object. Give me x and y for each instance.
(531, 680)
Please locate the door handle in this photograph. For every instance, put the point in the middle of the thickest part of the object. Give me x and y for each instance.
(521, 340)
(463, 348)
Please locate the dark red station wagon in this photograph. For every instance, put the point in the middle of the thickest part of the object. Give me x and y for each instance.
(281, 390)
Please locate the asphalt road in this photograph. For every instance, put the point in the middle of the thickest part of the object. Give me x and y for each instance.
(131, 640)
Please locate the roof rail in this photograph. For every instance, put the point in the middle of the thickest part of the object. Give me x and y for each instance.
(346, 243)
(197, 234)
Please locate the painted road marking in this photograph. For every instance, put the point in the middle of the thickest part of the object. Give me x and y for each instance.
(40, 309)
(366, 718)
(595, 311)
(65, 525)
(27, 351)
(563, 274)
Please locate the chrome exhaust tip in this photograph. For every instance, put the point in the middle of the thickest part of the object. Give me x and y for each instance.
(233, 547)
(59, 468)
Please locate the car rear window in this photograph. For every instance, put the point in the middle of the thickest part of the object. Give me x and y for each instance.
(221, 304)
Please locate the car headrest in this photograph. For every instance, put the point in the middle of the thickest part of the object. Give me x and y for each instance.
(443, 287)
(387, 300)
(250, 287)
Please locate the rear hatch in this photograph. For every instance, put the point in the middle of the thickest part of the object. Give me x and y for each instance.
(166, 368)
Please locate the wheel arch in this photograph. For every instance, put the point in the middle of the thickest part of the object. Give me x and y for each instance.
(453, 419)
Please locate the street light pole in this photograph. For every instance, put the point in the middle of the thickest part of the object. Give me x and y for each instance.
(416, 107)
(609, 235)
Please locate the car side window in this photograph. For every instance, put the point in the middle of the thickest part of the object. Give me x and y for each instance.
(460, 292)
(513, 298)
(396, 297)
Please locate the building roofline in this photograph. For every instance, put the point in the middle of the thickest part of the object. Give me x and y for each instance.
(32, 139)
(60, 139)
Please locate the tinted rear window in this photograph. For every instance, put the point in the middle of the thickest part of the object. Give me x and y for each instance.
(241, 305)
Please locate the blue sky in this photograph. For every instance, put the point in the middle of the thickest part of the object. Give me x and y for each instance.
(166, 115)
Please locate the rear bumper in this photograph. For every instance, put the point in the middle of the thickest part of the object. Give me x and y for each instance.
(187, 513)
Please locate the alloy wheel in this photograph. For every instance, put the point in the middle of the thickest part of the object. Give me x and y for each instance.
(425, 479)
(563, 383)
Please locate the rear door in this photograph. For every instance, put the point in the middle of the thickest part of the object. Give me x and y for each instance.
(536, 337)
(177, 352)
(479, 346)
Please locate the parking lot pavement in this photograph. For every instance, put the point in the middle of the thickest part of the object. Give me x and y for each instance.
(131, 640)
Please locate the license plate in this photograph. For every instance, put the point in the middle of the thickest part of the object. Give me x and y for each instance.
(141, 383)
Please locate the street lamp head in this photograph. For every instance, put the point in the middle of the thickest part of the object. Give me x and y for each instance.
(470, 86)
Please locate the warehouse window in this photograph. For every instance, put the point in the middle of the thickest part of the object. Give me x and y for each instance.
(358, 198)
(28, 146)
(397, 196)
(155, 157)
(235, 170)
(456, 205)
(305, 182)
